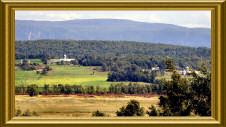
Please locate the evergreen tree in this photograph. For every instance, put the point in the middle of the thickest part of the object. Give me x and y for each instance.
(201, 91)
(170, 64)
(177, 98)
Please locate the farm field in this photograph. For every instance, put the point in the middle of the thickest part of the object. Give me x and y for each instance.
(64, 74)
(25, 77)
(74, 105)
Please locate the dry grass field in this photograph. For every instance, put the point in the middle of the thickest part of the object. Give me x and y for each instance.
(71, 75)
(74, 105)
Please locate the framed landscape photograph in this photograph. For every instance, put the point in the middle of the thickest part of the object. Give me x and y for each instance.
(112, 63)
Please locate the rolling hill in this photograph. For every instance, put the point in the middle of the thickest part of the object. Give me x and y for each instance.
(113, 29)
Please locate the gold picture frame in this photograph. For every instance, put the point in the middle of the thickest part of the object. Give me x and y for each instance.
(7, 76)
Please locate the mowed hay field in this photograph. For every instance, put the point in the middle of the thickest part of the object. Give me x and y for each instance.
(74, 75)
(64, 74)
(78, 106)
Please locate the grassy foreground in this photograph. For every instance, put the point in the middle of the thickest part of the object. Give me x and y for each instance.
(73, 105)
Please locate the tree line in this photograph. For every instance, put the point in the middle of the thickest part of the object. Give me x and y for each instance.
(131, 88)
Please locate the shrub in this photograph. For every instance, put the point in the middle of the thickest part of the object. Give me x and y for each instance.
(47, 68)
(98, 113)
(17, 89)
(44, 72)
(32, 90)
(132, 109)
(153, 111)
(34, 113)
(18, 112)
(60, 88)
(46, 89)
(27, 113)
(68, 89)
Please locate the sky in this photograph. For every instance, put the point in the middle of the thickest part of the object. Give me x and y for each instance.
(191, 19)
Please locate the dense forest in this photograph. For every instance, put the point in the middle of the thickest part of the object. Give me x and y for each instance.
(94, 52)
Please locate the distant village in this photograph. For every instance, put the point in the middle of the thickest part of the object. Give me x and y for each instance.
(182, 72)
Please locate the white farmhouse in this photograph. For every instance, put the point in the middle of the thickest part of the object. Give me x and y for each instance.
(155, 68)
(25, 59)
(183, 72)
(187, 70)
(65, 59)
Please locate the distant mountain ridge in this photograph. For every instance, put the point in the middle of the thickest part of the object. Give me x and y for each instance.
(113, 29)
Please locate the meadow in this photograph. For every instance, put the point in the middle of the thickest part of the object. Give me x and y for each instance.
(64, 74)
(78, 106)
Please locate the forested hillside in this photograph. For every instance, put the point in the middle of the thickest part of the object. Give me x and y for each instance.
(183, 56)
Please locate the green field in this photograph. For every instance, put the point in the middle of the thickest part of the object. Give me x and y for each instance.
(25, 77)
(64, 74)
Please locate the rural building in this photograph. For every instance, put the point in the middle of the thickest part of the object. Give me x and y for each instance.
(166, 70)
(54, 61)
(27, 61)
(183, 72)
(187, 70)
(65, 59)
(197, 72)
(155, 68)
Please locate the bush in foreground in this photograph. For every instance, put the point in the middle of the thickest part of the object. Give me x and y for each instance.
(153, 111)
(18, 112)
(132, 109)
(25, 113)
(98, 113)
